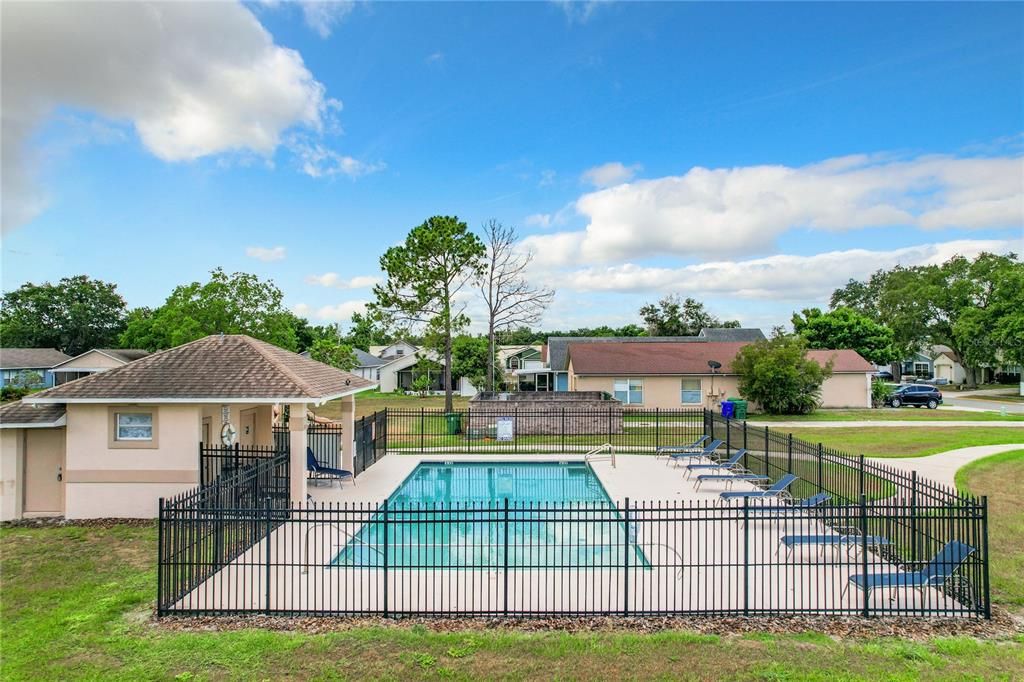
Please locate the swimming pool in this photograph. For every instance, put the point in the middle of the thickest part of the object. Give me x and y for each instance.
(453, 514)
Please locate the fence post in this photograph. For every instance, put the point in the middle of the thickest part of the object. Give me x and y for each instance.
(767, 452)
(515, 430)
(821, 468)
(864, 551)
(625, 562)
(202, 465)
(986, 586)
(385, 515)
(266, 577)
(789, 453)
(609, 424)
(861, 491)
(423, 428)
(563, 429)
(657, 428)
(745, 453)
(505, 554)
(728, 439)
(913, 515)
(746, 556)
(160, 558)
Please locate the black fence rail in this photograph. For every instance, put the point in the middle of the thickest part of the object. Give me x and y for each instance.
(552, 429)
(325, 440)
(207, 528)
(221, 461)
(652, 558)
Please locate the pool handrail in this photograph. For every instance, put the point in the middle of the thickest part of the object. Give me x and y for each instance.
(592, 454)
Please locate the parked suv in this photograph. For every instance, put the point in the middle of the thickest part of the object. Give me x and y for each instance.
(916, 395)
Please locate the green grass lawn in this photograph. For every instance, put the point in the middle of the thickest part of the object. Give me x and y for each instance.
(886, 441)
(371, 401)
(1001, 477)
(886, 414)
(1008, 396)
(77, 605)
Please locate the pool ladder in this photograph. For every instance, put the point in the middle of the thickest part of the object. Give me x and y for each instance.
(596, 454)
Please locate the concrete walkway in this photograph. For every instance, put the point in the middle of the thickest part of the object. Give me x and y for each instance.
(942, 467)
(887, 424)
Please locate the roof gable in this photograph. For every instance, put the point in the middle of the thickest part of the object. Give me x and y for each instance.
(31, 358)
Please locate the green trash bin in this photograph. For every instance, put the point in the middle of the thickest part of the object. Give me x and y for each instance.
(454, 422)
(740, 409)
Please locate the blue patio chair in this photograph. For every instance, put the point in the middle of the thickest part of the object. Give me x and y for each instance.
(777, 491)
(326, 473)
(731, 464)
(666, 450)
(707, 452)
(795, 506)
(935, 573)
(731, 478)
(850, 541)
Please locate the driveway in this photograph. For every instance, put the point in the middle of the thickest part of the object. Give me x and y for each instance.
(942, 467)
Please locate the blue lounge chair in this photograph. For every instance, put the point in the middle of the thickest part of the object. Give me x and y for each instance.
(798, 506)
(708, 450)
(731, 478)
(326, 473)
(850, 541)
(776, 491)
(731, 464)
(937, 571)
(666, 450)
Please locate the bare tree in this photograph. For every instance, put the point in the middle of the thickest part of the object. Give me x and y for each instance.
(510, 299)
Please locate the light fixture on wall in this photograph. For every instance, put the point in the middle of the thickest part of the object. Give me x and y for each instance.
(715, 365)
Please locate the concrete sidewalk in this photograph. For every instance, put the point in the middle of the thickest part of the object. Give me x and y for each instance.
(942, 467)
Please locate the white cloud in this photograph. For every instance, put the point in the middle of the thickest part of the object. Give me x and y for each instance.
(611, 173)
(780, 277)
(323, 15)
(318, 161)
(579, 11)
(193, 79)
(265, 254)
(342, 312)
(547, 178)
(333, 279)
(435, 57)
(740, 211)
(539, 219)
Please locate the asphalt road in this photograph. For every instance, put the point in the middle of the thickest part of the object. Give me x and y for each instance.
(957, 399)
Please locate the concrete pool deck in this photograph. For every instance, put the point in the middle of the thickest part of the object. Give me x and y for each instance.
(705, 559)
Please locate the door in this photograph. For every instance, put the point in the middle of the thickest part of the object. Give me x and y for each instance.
(247, 436)
(44, 471)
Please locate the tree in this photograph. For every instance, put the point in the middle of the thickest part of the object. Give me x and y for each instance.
(472, 359)
(239, 303)
(672, 316)
(777, 375)
(75, 315)
(371, 328)
(510, 299)
(955, 304)
(424, 277)
(846, 328)
(330, 352)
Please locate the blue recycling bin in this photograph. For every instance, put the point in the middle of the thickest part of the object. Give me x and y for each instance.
(728, 409)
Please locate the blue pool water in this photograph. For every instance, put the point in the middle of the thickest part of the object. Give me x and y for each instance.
(453, 515)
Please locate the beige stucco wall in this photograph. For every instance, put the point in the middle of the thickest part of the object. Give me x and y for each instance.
(947, 369)
(127, 482)
(840, 390)
(11, 461)
(92, 360)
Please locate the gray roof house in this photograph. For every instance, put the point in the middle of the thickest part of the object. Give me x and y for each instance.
(17, 364)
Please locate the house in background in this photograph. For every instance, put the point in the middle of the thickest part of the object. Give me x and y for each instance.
(670, 375)
(397, 367)
(29, 367)
(94, 361)
(113, 443)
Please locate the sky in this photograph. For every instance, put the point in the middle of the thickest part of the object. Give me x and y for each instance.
(753, 156)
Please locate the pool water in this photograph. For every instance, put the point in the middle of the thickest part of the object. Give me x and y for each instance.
(452, 514)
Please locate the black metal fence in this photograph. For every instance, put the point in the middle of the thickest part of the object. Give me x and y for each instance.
(226, 460)
(552, 429)
(885, 542)
(371, 440)
(322, 438)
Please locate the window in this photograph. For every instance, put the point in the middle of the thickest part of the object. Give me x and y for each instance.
(921, 369)
(513, 362)
(690, 392)
(134, 426)
(399, 351)
(629, 391)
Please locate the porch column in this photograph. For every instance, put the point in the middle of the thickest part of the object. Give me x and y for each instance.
(348, 432)
(298, 443)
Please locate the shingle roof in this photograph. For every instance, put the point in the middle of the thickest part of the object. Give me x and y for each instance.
(364, 359)
(17, 413)
(126, 354)
(31, 358)
(734, 334)
(558, 346)
(213, 369)
(627, 359)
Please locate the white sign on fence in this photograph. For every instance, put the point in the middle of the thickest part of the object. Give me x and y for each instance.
(506, 429)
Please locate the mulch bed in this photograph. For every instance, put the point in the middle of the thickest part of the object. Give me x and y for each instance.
(1001, 626)
(60, 521)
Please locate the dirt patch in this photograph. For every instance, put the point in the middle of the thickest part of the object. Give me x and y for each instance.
(1001, 626)
(61, 522)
